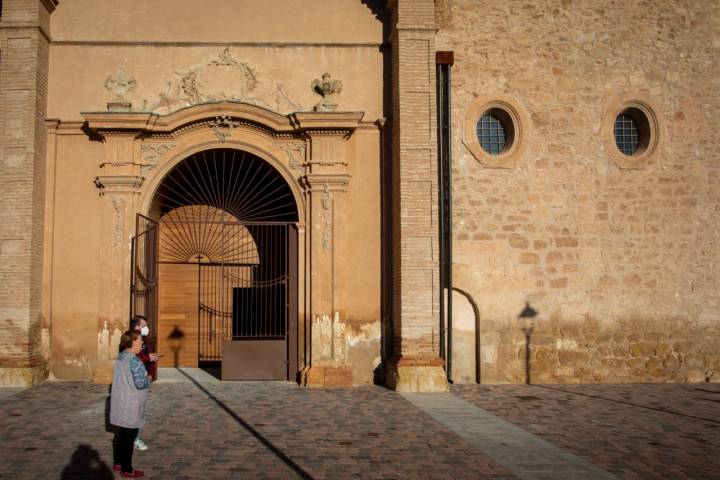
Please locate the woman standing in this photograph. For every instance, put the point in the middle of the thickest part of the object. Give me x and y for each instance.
(149, 359)
(127, 402)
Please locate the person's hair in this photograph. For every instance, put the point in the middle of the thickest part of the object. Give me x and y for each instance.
(128, 338)
(136, 320)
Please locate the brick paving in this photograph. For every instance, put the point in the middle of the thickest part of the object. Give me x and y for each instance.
(277, 430)
(648, 431)
(236, 430)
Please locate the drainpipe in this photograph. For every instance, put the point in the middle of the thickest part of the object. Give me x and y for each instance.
(443, 62)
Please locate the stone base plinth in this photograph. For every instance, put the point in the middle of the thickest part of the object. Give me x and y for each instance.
(103, 374)
(16, 377)
(417, 375)
(326, 376)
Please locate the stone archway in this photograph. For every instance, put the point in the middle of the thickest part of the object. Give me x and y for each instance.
(227, 240)
(311, 151)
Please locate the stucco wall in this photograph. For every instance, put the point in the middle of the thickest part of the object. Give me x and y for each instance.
(159, 44)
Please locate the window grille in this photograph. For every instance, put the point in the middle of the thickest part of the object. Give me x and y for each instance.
(491, 134)
(626, 134)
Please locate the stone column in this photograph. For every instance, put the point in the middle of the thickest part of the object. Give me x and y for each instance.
(120, 188)
(24, 42)
(415, 365)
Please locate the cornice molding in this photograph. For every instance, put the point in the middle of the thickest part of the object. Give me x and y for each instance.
(50, 5)
(118, 184)
(147, 123)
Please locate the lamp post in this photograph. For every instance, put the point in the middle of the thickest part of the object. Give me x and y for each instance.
(175, 340)
(526, 324)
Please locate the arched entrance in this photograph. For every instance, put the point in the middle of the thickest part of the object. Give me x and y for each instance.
(224, 226)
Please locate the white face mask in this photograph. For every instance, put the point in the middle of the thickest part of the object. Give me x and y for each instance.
(144, 331)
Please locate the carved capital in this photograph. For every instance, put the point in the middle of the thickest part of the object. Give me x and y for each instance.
(108, 184)
(330, 182)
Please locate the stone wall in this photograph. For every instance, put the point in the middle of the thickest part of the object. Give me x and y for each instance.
(619, 260)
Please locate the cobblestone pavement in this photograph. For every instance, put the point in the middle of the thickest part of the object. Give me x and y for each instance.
(254, 430)
(655, 431)
(236, 430)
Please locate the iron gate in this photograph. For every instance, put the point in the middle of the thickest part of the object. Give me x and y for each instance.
(144, 275)
(245, 293)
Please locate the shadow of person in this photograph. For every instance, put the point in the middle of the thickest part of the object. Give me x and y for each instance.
(85, 464)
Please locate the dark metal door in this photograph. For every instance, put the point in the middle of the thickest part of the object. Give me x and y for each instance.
(144, 275)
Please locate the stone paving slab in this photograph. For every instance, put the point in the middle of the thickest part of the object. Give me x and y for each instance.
(637, 432)
(524, 454)
(8, 392)
(230, 430)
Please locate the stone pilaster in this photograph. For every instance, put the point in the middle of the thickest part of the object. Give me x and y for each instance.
(326, 184)
(119, 185)
(24, 43)
(415, 365)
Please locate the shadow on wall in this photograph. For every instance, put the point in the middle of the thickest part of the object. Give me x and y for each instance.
(85, 464)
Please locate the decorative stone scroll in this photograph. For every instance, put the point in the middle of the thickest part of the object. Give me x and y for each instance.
(152, 153)
(295, 152)
(223, 126)
(221, 77)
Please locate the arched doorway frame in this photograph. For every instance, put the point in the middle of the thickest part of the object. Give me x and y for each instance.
(153, 183)
(311, 151)
(295, 362)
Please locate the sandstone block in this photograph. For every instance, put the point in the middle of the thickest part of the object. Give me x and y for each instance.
(518, 241)
(663, 349)
(573, 357)
(693, 361)
(642, 349)
(695, 376)
(529, 258)
(654, 364)
(544, 353)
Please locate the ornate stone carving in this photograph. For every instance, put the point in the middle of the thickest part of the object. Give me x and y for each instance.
(327, 87)
(223, 126)
(295, 152)
(327, 217)
(221, 78)
(118, 207)
(151, 154)
(121, 83)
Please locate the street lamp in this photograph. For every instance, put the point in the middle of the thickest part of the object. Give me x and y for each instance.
(175, 340)
(526, 324)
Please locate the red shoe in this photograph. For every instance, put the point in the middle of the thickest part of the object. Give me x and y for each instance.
(116, 468)
(133, 474)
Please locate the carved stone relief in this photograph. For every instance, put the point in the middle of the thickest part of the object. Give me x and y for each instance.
(118, 206)
(223, 126)
(295, 152)
(121, 83)
(327, 217)
(221, 78)
(152, 153)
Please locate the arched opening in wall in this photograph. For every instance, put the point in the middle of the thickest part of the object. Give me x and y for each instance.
(227, 266)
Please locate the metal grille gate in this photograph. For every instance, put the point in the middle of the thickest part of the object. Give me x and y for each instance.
(144, 275)
(245, 293)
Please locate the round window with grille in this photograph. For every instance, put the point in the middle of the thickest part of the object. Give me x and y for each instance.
(495, 131)
(632, 131)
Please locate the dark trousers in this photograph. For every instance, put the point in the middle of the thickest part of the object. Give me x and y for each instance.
(123, 444)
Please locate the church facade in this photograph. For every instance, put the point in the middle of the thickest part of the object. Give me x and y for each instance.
(406, 192)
